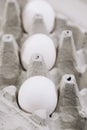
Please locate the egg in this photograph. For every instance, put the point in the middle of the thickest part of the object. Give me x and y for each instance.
(38, 44)
(37, 93)
(38, 8)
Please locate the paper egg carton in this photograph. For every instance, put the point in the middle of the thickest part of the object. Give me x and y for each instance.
(69, 40)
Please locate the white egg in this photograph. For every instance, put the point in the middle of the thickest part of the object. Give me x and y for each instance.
(39, 44)
(38, 8)
(36, 93)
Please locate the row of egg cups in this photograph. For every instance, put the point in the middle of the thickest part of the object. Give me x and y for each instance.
(38, 92)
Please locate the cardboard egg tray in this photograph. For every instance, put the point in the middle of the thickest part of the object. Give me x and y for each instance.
(68, 73)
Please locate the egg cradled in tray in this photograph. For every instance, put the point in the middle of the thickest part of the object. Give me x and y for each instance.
(38, 44)
(38, 92)
(38, 8)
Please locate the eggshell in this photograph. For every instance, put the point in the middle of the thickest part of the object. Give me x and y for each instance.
(36, 93)
(39, 44)
(38, 8)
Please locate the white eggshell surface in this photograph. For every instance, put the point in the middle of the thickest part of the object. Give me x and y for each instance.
(40, 8)
(39, 44)
(36, 93)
